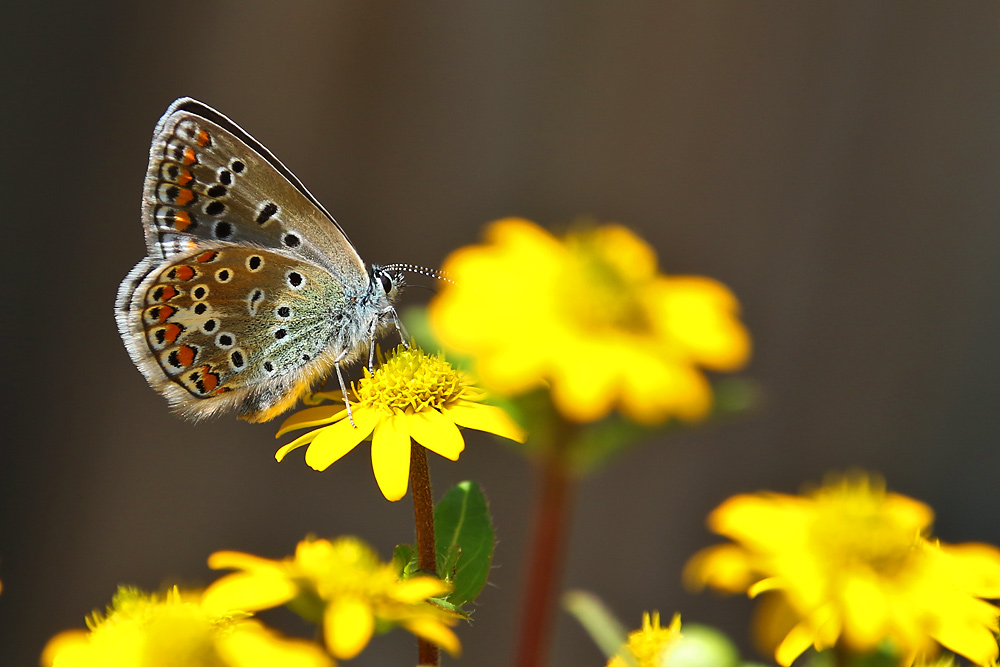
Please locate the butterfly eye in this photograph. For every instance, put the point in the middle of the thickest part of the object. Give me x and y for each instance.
(386, 282)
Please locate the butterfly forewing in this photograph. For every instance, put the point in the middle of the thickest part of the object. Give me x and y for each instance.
(205, 184)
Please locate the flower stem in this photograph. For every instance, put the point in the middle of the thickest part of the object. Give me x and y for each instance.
(423, 515)
(548, 547)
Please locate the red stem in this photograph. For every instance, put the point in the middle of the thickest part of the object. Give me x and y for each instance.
(547, 557)
(423, 515)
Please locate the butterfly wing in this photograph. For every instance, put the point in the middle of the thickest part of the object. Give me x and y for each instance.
(235, 326)
(209, 181)
(250, 291)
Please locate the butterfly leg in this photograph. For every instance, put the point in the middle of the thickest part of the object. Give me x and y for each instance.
(343, 387)
(371, 346)
(404, 335)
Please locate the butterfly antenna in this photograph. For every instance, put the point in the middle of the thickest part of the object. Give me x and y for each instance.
(422, 270)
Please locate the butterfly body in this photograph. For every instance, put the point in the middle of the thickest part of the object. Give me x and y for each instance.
(250, 292)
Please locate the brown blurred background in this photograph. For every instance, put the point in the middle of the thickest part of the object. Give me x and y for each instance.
(836, 163)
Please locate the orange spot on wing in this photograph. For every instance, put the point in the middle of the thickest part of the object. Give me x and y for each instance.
(207, 256)
(185, 355)
(163, 293)
(209, 380)
(184, 197)
(189, 156)
(182, 220)
(185, 177)
(166, 312)
(184, 272)
(221, 390)
(171, 333)
(203, 139)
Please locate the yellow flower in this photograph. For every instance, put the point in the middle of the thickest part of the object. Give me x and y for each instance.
(411, 395)
(647, 645)
(943, 661)
(589, 315)
(854, 564)
(143, 630)
(344, 580)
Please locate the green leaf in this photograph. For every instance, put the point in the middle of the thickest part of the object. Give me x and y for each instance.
(448, 562)
(462, 524)
(602, 626)
(702, 646)
(404, 560)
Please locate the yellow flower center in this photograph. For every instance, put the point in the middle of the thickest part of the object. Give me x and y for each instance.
(649, 644)
(412, 380)
(341, 567)
(601, 289)
(852, 529)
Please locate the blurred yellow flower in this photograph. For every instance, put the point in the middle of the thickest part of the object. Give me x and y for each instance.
(590, 315)
(411, 395)
(647, 645)
(344, 579)
(854, 564)
(143, 630)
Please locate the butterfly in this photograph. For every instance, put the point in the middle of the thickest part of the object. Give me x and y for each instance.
(250, 292)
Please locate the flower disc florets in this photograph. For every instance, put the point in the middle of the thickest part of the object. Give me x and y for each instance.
(648, 645)
(412, 380)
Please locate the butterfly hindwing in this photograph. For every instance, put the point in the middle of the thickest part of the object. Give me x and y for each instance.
(206, 184)
(233, 325)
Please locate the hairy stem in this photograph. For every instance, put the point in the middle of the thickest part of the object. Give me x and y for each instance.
(423, 515)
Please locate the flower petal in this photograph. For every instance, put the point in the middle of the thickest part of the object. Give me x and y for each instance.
(794, 644)
(974, 568)
(324, 414)
(300, 441)
(237, 560)
(391, 456)
(586, 383)
(865, 610)
(436, 432)
(251, 645)
(487, 418)
(418, 589)
(968, 635)
(725, 566)
(337, 439)
(348, 624)
(436, 633)
(249, 591)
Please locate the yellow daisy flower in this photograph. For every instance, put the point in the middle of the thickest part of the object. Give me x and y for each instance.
(411, 395)
(590, 315)
(850, 563)
(346, 581)
(142, 630)
(648, 645)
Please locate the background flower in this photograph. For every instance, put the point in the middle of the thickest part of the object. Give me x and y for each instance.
(648, 645)
(343, 587)
(590, 315)
(150, 630)
(852, 563)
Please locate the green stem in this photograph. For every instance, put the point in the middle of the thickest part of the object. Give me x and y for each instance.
(547, 553)
(841, 658)
(423, 515)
